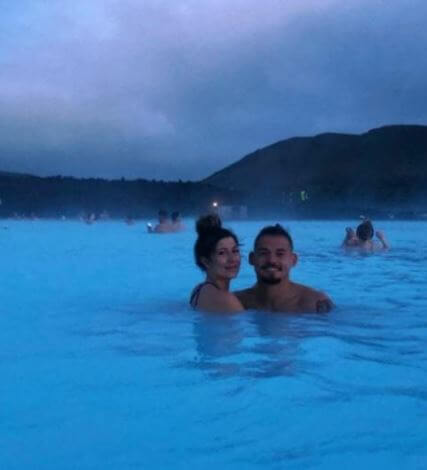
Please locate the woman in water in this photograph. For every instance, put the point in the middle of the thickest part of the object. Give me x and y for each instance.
(217, 253)
(362, 239)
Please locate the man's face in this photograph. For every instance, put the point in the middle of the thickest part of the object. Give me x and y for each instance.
(272, 259)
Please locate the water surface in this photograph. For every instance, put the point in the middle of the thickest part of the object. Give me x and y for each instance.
(104, 366)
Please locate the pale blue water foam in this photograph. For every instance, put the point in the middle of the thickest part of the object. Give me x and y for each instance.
(103, 365)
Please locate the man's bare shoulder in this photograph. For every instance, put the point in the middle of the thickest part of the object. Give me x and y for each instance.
(247, 297)
(299, 298)
(312, 300)
(245, 293)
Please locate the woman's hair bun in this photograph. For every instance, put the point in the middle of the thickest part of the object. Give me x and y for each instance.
(207, 223)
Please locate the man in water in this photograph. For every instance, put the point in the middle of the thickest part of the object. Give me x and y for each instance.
(164, 225)
(273, 258)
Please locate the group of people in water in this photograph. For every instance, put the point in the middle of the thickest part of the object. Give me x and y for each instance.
(166, 224)
(217, 254)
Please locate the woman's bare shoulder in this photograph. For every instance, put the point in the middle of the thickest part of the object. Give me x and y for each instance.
(214, 300)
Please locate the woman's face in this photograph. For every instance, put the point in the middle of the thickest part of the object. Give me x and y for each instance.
(225, 260)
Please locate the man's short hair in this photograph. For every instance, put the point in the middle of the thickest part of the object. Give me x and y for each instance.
(275, 231)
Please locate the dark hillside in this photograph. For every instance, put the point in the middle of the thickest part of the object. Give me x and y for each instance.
(383, 167)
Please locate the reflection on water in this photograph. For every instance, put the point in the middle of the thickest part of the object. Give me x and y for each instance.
(218, 335)
(256, 344)
(267, 345)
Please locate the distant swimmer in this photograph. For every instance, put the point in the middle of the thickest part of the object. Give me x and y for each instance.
(164, 225)
(273, 258)
(217, 253)
(362, 239)
(88, 219)
(177, 225)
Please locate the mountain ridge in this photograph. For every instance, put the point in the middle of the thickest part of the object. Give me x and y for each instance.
(388, 155)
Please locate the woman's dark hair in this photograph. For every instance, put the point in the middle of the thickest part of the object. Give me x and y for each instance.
(210, 232)
(365, 231)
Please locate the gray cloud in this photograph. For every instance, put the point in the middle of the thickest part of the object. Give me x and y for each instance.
(162, 89)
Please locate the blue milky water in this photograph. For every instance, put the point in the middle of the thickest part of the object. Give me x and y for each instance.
(103, 365)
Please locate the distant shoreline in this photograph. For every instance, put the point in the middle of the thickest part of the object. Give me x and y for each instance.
(278, 217)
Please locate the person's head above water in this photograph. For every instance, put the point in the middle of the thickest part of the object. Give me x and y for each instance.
(365, 231)
(275, 231)
(211, 234)
(175, 216)
(273, 256)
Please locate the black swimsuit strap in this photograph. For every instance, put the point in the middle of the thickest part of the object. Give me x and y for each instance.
(196, 292)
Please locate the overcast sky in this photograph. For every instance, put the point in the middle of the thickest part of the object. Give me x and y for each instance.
(171, 89)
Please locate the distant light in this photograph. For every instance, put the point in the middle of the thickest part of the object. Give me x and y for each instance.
(214, 204)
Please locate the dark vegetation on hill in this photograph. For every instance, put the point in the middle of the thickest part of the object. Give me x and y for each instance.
(381, 172)
(70, 197)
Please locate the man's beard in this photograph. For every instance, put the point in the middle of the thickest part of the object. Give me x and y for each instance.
(267, 279)
(271, 281)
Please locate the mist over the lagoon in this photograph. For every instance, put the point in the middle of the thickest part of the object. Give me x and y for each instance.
(357, 210)
(178, 90)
